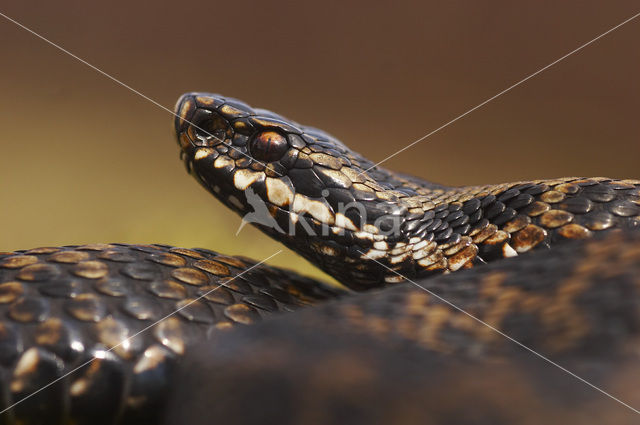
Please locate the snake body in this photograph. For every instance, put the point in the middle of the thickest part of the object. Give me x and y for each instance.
(368, 227)
(135, 309)
(401, 355)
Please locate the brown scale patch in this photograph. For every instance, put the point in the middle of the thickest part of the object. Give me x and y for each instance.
(465, 241)
(112, 287)
(362, 187)
(38, 272)
(564, 325)
(485, 233)
(440, 265)
(188, 252)
(466, 256)
(50, 332)
(154, 358)
(168, 288)
(417, 302)
(353, 314)
(95, 247)
(202, 100)
(502, 303)
(170, 332)
(224, 325)
(168, 259)
(29, 310)
(537, 208)
(26, 370)
(190, 276)
(555, 218)
(433, 321)
(184, 141)
(498, 238)
(631, 254)
(18, 261)
(242, 313)
(91, 269)
(527, 238)
(141, 308)
(87, 308)
(231, 261)
(117, 256)
(68, 257)
(491, 284)
(518, 223)
(43, 250)
(88, 378)
(113, 334)
(212, 267)
(574, 231)
(379, 326)
(10, 291)
(631, 182)
(431, 259)
(568, 188)
(552, 196)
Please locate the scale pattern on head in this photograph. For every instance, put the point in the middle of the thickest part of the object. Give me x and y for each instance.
(366, 225)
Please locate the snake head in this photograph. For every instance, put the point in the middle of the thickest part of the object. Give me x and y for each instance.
(296, 183)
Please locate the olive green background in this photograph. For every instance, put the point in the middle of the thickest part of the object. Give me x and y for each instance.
(85, 160)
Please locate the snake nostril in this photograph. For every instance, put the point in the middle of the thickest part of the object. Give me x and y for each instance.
(210, 127)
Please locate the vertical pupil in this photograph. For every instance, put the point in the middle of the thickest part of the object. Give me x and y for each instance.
(268, 146)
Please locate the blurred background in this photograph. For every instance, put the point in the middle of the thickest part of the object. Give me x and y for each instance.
(84, 160)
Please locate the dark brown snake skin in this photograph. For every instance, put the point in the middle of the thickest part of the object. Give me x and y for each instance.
(401, 356)
(60, 307)
(394, 355)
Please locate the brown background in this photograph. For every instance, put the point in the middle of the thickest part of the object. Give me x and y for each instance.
(85, 160)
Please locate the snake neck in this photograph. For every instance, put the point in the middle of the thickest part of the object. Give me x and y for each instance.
(366, 225)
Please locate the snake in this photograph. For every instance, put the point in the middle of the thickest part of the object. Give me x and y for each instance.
(121, 334)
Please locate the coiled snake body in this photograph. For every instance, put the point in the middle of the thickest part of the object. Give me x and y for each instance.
(366, 226)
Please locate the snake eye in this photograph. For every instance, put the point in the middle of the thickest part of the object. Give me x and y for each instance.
(268, 146)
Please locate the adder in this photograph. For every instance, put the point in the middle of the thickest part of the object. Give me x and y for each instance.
(105, 328)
